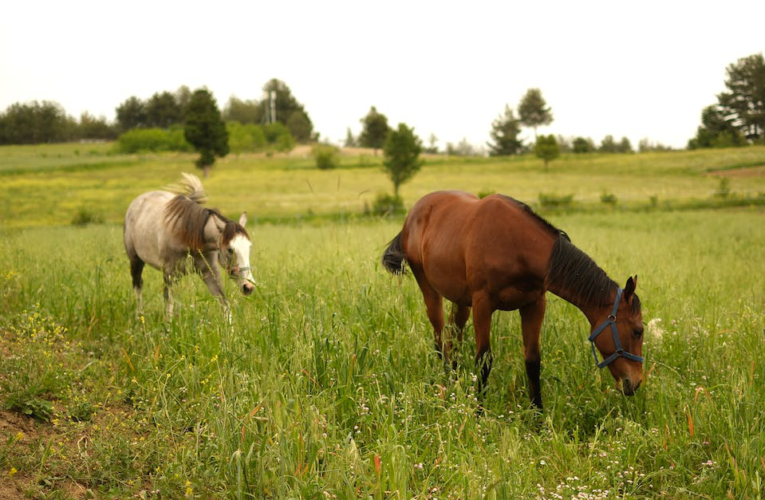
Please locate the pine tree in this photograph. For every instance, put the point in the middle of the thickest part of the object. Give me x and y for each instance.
(504, 134)
(205, 130)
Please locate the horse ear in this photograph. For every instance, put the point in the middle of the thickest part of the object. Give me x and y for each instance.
(629, 289)
(243, 219)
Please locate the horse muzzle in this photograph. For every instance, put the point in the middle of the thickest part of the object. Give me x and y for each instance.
(248, 288)
(628, 389)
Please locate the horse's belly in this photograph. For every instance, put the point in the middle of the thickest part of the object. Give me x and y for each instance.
(450, 282)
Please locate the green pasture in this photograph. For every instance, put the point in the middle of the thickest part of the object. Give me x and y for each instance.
(49, 185)
(326, 385)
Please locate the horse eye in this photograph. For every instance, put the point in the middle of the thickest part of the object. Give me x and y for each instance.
(638, 333)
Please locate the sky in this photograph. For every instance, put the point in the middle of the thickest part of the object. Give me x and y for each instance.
(640, 69)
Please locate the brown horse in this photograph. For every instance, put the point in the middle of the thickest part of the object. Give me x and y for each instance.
(496, 253)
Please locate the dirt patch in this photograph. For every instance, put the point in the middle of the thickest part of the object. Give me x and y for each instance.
(11, 489)
(740, 173)
(12, 423)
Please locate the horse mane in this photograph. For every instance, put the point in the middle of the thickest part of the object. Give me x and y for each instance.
(573, 270)
(187, 218)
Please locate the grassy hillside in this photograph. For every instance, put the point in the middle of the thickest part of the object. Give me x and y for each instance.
(49, 185)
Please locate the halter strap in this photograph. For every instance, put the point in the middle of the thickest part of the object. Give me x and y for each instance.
(611, 321)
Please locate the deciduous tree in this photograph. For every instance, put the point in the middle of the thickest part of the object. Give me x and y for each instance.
(243, 111)
(35, 122)
(582, 145)
(608, 145)
(534, 111)
(402, 155)
(374, 130)
(162, 110)
(546, 148)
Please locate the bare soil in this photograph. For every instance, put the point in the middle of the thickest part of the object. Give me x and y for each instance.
(740, 173)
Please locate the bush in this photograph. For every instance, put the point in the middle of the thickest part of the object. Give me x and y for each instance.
(386, 204)
(279, 137)
(152, 139)
(285, 143)
(85, 216)
(554, 200)
(608, 198)
(723, 190)
(326, 156)
(242, 138)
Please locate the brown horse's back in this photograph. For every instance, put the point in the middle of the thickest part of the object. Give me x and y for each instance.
(462, 245)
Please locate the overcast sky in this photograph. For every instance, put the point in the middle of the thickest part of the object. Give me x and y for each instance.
(635, 69)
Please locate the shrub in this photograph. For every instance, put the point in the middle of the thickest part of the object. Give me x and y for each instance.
(152, 139)
(85, 216)
(554, 200)
(723, 190)
(241, 138)
(386, 204)
(608, 198)
(326, 156)
(278, 136)
(285, 143)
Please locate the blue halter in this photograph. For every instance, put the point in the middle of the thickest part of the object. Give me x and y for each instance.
(611, 320)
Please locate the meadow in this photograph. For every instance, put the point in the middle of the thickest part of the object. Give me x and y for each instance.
(326, 384)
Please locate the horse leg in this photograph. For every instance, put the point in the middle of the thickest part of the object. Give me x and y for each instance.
(434, 306)
(136, 271)
(459, 317)
(168, 293)
(206, 266)
(531, 324)
(482, 311)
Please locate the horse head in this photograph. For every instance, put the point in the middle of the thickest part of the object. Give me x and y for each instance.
(234, 255)
(618, 335)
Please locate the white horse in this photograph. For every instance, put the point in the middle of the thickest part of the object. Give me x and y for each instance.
(162, 228)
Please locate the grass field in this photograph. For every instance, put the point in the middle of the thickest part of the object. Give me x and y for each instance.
(50, 185)
(326, 384)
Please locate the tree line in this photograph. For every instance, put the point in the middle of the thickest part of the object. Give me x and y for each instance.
(39, 122)
(737, 119)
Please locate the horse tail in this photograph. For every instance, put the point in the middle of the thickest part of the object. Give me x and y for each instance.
(393, 258)
(191, 187)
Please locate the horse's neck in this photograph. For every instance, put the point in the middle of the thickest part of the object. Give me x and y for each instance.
(591, 311)
(213, 229)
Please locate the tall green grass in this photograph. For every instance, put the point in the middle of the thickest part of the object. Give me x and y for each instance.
(326, 384)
